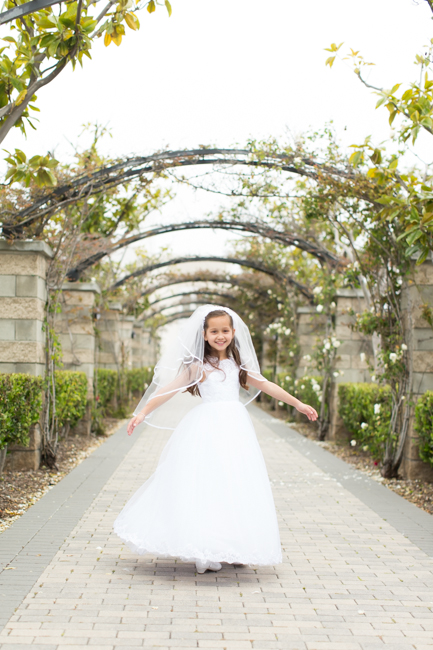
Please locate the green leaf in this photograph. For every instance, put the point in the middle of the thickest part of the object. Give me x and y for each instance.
(422, 258)
(330, 61)
(168, 7)
(393, 164)
(151, 6)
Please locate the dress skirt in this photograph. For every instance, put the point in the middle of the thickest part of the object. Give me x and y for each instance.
(210, 498)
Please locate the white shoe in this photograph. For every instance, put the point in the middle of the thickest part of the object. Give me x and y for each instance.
(207, 566)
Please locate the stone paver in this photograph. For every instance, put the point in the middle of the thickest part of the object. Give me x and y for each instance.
(349, 581)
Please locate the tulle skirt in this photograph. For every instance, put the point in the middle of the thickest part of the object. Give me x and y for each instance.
(209, 498)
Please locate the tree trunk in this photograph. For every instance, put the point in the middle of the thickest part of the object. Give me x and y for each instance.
(2, 458)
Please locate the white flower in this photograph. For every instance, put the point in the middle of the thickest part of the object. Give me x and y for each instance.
(288, 331)
(327, 346)
(362, 355)
(365, 448)
(303, 386)
(319, 308)
(251, 316)
(364, 425)
(307, 357)
(269, 292)
(376, 409)
(317, 290)
(280, 306)
(291, 353)
(336, 373)
(336, 343)
(393, 357)
(404, 347)
(280, 403)
(316, 388)
(287, 378)
(373, 378)
(333, 305)
(320, 398)
(353, 443)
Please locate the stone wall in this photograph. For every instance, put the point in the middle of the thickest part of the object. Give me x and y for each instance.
(417, 293)
(311, 326)
(23, 268)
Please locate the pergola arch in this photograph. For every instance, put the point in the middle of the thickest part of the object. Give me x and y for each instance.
(196, 292)
(259, 228)
(179, 304)
(277, 275)
(106, 177)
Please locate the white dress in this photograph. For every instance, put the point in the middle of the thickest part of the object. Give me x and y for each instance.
(209, 498)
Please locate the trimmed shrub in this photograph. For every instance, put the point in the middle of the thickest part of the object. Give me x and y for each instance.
(71, 397)
(107, 384)
(424, 426)
(366, 412)
(138, 379)
(267, 374)
(20, 407)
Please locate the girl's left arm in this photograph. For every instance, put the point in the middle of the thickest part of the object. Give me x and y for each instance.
(282, 395)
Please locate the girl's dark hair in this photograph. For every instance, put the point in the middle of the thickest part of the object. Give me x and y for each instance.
(232, 353)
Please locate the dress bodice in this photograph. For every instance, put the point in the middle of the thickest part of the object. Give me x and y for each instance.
(222, 384)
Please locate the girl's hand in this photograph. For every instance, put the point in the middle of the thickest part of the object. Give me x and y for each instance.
(137, 419)
(308, 411)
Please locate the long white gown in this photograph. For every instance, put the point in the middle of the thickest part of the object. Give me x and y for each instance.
(209, 498)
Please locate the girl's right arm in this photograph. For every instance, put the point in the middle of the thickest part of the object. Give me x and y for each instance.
(166, 393)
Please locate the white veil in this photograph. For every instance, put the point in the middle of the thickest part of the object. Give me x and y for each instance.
(182, 366)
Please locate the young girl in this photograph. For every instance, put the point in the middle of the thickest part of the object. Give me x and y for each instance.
(209, 500)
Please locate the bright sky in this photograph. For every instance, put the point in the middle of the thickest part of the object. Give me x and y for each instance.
(220, 72)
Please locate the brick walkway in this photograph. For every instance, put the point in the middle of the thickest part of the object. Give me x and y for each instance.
(349, 580)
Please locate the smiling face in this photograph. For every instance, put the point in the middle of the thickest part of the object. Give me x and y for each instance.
(219, 333)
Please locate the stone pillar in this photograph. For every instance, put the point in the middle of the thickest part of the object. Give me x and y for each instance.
(75, 327)
(349, 360)
(126, 324)
(109, 348)
(137, 344)
(23, 268)
(418, 292)
(310, 326)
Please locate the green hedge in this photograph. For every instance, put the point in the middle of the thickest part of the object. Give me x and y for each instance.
(304, 390)
(424, 426)
(71, 397)
(106, 386)
(20, 407)
(357, 404)
(138, 379)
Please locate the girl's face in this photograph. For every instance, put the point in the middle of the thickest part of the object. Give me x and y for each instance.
(219, 333)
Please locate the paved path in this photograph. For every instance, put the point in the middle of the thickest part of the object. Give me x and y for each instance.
(351, 579)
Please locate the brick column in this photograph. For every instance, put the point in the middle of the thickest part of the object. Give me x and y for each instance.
(126, 324)
(23, 268)
(310, 326)
(417, 292)
(353, 344)
(109, 347)
(75, 327)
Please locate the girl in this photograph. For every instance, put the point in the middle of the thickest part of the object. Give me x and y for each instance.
(209, 500)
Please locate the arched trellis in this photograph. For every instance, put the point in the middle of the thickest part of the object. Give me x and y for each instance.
(197, 292)
(174, 317)
(91, 183)
(277, 275)
(159, 311)
(256, 227)
(236, 281)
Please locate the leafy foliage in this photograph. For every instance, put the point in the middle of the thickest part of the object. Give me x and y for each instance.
(71, 397)
(424, 426)
(20, 407)
(366, 412)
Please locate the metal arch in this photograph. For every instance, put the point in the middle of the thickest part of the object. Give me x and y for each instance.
(262, 229)
(279, 277)
(197, 292)
(180, 304)
(211, 278)
(25, 9)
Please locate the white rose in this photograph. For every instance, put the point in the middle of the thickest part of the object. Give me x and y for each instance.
(319, 308)
(303, 386)
(393, 357)
(291, 353)
(317, 290)
(376, 409)
(353, 443)
(336, 373)
(333, 305)
(287, 378)
(362, 355)
(288, 331)
(280, 403)
(373, 378)
(364, 425)
(327, 346)
(336, 343)
(404, 347)
(365, 448)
